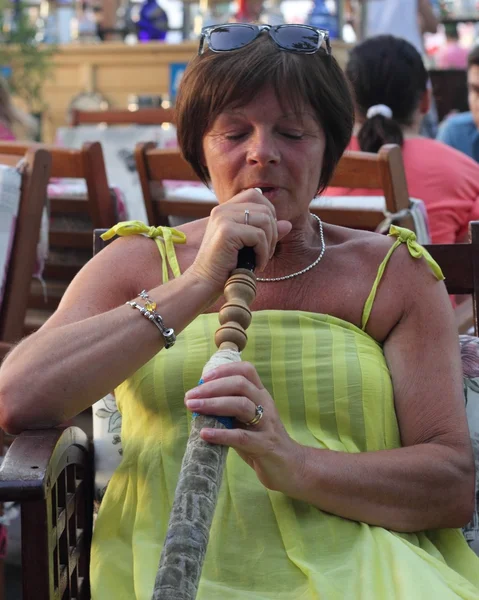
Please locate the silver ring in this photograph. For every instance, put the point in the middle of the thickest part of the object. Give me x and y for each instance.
(246, 217)
(258, 415)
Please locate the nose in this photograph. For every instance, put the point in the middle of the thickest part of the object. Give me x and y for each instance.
(263, 149)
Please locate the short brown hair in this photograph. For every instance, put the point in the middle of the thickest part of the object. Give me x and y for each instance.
(473, 58)
(215, 81)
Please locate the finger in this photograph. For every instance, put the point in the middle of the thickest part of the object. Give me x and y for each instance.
(236, 385)
(261, 220)
(239, 407)
(238, 235)
(242, 368)
(246, 440)
(283, 228)
(252, 195)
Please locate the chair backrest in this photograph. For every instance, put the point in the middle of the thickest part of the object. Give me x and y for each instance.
(382, 171)
(155, 166)
(143, 116)
(88, 164)
(460, 265)
(35, 172)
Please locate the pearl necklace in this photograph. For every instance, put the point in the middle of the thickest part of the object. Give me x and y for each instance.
(323, 248)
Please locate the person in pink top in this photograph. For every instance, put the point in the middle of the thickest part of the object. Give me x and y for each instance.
(452, 55)
(389, 83)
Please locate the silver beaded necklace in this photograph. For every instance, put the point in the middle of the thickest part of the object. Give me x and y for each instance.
(306, 269)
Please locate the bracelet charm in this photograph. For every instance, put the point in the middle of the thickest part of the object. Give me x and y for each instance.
(148, 311)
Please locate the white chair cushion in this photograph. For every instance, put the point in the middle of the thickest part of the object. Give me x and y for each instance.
(10, 191)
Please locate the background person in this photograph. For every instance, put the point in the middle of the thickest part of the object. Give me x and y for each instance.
(452, 55)
(389, 83)
(462, 131)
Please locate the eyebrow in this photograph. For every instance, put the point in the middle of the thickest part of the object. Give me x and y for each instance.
(234, 112)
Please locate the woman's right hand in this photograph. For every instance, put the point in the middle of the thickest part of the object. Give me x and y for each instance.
(227, 232)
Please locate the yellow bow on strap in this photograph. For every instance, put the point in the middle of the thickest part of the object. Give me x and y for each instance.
(165, 238)
(405, 236)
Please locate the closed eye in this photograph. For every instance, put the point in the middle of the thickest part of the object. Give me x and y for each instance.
(292, 136)
(235, 136)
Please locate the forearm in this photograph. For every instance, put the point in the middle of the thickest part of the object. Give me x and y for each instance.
(406, 489)
(59, 371)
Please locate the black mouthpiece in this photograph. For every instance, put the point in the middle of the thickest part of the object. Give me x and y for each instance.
(246, 258)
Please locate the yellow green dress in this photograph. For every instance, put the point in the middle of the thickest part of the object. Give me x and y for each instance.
(333, 390)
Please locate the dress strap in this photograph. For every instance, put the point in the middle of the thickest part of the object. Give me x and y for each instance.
(165, 238)
(403, 236)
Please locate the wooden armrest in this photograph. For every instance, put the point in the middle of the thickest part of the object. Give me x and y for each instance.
(50, 473)
(36, 458)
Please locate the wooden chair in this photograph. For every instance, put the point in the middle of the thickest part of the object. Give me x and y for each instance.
(35, 175)
(143, 116)
(70, 248)
(50, 472)
(155, 166)
(88, 164)
(383, 171)
(35, 172)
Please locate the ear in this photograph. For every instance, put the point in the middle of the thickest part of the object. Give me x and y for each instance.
(425, 102)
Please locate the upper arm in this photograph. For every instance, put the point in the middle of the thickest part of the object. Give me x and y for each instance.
(422, 352)
(450, 132)
(444, 133)
(111, 278)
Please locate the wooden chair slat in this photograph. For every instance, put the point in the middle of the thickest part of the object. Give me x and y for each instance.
(142, 116)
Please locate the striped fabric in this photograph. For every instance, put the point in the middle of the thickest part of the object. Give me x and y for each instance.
(333, 390)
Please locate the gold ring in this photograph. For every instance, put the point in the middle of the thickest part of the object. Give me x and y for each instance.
(258, 415)
(246, 217)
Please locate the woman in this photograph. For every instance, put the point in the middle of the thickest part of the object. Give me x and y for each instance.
(354, 481)
(389, 83)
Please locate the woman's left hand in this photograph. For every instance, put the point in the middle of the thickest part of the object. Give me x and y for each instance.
(235, 390)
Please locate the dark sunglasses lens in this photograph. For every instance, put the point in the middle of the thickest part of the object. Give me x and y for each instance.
(230, 37)
(300, 39)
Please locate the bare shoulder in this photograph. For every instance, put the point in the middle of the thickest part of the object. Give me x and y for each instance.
(372, 249)
(406, 283)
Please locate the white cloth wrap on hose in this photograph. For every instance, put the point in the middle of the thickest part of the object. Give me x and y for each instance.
(221, 357)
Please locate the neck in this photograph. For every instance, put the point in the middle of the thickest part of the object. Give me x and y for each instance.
(297, 250)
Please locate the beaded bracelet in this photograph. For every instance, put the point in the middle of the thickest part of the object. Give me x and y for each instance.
(148, 311)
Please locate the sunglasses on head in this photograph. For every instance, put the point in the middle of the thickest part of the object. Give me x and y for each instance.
(292, 38)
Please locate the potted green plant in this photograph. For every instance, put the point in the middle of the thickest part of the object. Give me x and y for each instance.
(28, 63)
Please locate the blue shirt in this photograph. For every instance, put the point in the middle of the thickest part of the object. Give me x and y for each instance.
(460, 132)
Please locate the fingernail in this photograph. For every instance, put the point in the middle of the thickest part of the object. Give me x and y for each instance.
(258, 190)
(210, 375)
(194, 403)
